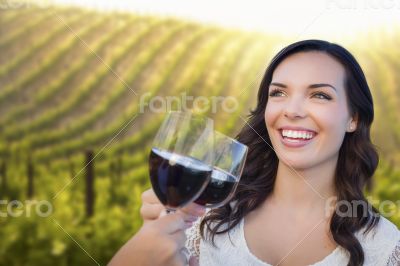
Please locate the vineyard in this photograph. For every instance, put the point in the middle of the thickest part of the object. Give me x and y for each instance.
(73, 130)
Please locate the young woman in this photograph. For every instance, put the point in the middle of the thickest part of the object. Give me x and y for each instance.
(300, 200)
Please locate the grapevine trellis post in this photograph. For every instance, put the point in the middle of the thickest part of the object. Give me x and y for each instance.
(3, 173)
(89, 183)
(30, 171)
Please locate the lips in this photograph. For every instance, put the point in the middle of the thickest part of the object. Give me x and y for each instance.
(295, 138)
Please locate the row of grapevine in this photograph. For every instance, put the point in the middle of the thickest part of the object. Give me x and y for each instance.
(62, 99)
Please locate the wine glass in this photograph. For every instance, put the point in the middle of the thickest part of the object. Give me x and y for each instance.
(180, 162)
(229, 160)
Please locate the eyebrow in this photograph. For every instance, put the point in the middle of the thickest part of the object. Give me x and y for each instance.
(312, 86)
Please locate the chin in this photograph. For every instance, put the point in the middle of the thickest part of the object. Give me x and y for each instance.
(298, 163)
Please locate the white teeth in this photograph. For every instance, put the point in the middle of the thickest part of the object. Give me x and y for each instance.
(297, 134)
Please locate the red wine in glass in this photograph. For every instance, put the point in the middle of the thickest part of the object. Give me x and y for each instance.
(218, 189)
(229, 159)
(177, 179)
(180, 162)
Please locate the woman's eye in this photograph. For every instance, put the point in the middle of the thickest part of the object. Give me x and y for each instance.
(276, 93)
(322, 96)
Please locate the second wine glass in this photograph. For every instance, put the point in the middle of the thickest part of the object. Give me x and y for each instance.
(229, 160)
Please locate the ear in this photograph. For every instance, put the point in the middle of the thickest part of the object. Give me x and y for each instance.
(352, 125)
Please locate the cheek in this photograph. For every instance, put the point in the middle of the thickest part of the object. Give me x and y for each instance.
(272, 112)
(333, 123)
(271, 116)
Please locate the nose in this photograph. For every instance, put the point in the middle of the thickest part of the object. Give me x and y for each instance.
(295, 109)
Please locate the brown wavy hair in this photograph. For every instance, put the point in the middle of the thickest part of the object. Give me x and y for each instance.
(357, 161)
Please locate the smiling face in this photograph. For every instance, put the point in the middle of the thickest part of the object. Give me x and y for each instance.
(307, 114)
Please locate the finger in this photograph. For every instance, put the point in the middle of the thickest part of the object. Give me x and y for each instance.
(193, 209)
(151, 211)
(171, 223)
(149, 196)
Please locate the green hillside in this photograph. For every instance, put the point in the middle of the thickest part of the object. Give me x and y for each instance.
(71, 86)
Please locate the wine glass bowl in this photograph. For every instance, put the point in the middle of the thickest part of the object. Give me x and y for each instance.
(181, 160)
(229, 160)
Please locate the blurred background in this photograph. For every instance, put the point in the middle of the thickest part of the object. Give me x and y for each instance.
(84, 86)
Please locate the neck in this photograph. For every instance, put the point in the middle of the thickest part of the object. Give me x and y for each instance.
(305, 189)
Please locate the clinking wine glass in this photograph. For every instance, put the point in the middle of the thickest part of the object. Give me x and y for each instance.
(229, 160)
(181, 160)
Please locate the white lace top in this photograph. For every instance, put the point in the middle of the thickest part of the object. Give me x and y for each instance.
(381, 248)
